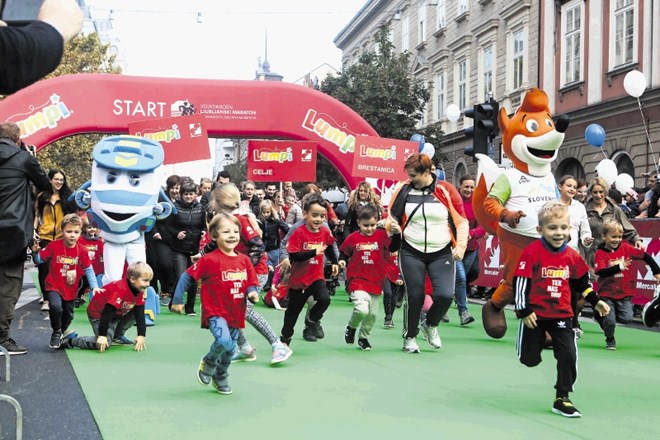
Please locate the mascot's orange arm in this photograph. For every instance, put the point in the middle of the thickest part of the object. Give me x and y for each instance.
(493, 207)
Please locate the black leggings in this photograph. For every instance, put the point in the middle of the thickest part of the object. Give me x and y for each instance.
(441, 270)
(298, 299)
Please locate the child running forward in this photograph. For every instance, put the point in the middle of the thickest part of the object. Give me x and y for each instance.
(616, 282)
(306, 248)
(67, 261)
(114, 310)
(367, 252)
(227, 278)
(547, 274)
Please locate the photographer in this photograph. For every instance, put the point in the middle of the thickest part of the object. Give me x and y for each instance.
(18, 169)
(28, 53)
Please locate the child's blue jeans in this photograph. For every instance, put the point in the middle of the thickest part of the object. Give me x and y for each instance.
(222, 349)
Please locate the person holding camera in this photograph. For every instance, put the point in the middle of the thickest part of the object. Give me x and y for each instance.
(18, 170)
(30, 52)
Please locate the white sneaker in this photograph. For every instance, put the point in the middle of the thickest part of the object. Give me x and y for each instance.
(431, 335)
(281, 352)
(44, 306)
(410, 345)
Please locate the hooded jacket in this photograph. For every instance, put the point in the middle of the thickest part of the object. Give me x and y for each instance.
(18, 169)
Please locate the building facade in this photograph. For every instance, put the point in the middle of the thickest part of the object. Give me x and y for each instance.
(577, 51)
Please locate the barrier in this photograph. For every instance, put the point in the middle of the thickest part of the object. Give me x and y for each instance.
(490, 272)
(19, 415)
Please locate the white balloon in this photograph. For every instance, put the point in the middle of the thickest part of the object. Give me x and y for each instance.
(453, 112)
(606, 169)
(428, 149)
(624, 182)
(635, 83)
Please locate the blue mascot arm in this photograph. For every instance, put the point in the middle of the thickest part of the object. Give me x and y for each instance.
(163, 210)
(165, 198)
(82, 197)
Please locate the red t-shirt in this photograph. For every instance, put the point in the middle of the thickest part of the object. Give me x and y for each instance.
(549, 272)
(225, 280)
(369, 257)
(95, 253)
(304, 273)
(622, 284)
(117, 294)
(62, 260)
(248, 233)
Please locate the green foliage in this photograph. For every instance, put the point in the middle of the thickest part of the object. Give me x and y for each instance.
(381, 89)
(83, 54)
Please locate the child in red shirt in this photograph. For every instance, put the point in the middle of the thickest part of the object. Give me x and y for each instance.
(115, 309)
(547, 274)
(67, 261)
(616, 283)
(227, 279)
(94, 244)
(306, 248)
(367, 252)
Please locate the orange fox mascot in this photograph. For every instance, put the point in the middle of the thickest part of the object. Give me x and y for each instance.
(506, 202)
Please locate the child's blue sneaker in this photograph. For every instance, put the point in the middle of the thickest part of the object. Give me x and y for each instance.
(122, 340)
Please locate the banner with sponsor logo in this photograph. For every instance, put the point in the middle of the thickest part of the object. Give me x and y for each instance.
(276, 161)
(490, 273)
(184, 138)
(382, 158)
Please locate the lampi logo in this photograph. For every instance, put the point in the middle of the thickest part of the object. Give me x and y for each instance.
(318, 125)
(378, 152)
(555, 272)
(165, 136)
(262, 155)
(48, 115)
(231, 275)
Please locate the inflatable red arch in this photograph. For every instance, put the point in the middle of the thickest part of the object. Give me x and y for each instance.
(98, 103)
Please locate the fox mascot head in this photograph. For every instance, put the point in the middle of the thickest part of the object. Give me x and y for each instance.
(531, 138)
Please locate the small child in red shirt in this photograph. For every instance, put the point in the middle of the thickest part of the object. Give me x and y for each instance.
(94, 244)
(67, 262)
(616, 282)
(548, 274)
(306, 248)
(367, 252)
(114, 310)
(227, 279)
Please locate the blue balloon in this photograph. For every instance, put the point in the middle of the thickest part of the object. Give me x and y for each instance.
(419, 138)
(595, 135)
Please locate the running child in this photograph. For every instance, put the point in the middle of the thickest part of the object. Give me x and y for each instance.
(306, 248)
(547, 274)
(367, 252)
(67, 261)
(616, 283)
(114, 310)
(227, 279)
(94, 244)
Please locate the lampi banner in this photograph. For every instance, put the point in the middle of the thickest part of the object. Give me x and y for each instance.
(382, 158)
(270, 161)
(183, 138)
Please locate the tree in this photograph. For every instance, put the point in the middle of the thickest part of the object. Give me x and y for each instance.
(83, 54)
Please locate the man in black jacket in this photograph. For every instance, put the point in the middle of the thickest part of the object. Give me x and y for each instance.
(18, 169)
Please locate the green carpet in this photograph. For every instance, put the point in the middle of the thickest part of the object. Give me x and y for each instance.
(474, 387)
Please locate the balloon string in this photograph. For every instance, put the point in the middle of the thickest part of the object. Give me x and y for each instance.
(648, 138)
(603, 151)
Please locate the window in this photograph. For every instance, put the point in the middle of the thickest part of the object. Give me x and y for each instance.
(624, 34)
(463, 6)
(572, 47)
(488, 73)
(421, 22)
(441, 94)
(440, 12)
(462, 84)
(518, 58)
(405, 34)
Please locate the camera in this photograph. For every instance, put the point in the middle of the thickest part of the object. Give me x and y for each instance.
(19, 12)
